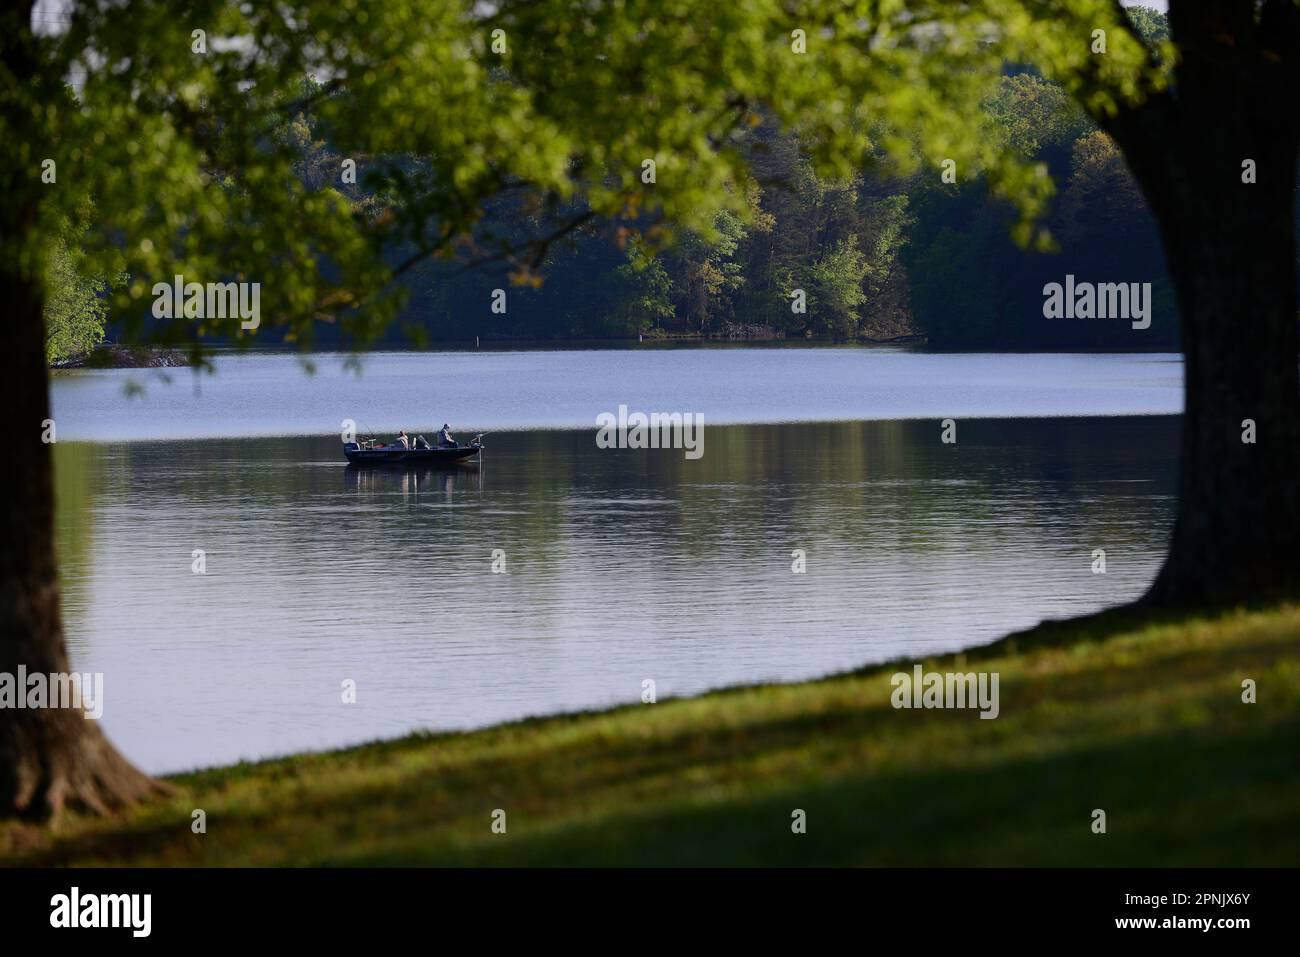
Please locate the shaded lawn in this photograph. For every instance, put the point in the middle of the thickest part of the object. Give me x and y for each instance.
(1142, 719)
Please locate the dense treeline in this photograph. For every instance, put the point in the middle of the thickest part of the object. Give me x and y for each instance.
(874, 258)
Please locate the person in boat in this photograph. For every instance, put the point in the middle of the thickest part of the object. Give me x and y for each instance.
(445, 438)
(403, 440)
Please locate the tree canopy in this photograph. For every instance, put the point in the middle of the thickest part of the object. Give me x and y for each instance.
(174, 129)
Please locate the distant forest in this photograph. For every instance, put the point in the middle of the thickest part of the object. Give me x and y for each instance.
(878, 258)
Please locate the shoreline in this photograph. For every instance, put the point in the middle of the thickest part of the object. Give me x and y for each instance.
(125, 357)
(152, 357)
(1124, 710)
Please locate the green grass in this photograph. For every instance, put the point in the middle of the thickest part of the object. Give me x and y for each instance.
(1142, 719)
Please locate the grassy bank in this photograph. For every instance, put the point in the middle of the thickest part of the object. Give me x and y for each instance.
(1144, 720)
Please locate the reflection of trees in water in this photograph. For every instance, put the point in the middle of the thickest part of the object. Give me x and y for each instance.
(886, 496)
(77, 475)
(889, 485)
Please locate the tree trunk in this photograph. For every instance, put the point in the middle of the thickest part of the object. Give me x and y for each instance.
(1231, 251)
(50, 757)
(1237, 531)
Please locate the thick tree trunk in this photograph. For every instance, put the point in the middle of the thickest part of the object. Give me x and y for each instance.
(1230, 243)
(1237, 531)
(50, 757)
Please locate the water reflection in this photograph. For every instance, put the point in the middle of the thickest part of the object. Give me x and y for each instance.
(411, 480)
(615, 566)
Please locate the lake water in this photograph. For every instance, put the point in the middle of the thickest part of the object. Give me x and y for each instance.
(271, 395)
(620, 565)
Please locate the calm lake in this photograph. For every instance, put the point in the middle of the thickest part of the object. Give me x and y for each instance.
(619, 565)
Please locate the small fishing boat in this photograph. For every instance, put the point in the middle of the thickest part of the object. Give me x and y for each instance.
(370, 452)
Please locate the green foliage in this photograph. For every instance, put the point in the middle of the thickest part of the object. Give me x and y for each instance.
(76, 305)
(1098, 204)
(1030, 114)
(1151, 25)
(644, 292)
(707, 269)
(882, 266)
(973, 286)
(835, 290)
(186, 154)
